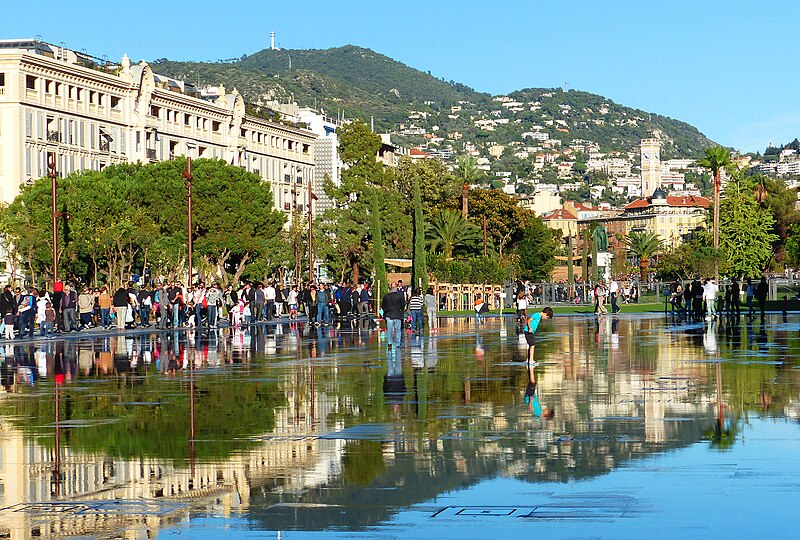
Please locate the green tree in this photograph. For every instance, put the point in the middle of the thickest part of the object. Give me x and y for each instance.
(506, 221)
(644, 245)
(467, 173)
(537, 250)
(448, 232)
(378, 252)
(439, 188)
(347, 225)
(745, 232)
(420, 267)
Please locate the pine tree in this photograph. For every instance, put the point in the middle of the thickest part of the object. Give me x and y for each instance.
(420, 263)
(378, 251)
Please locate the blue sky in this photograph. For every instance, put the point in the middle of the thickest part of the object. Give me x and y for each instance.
(725, 67)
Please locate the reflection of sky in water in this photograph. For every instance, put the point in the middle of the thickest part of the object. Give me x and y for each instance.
(321, 428)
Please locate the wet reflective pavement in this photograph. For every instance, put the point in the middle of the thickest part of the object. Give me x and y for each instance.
(640, 426)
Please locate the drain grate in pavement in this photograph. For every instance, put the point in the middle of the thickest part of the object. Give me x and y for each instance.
(587, 506)
(114, 507)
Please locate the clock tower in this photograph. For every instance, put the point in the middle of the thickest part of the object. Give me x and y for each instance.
(651, 165)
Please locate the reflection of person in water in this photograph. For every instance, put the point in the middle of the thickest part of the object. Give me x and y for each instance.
(394, 383)
(532, 397)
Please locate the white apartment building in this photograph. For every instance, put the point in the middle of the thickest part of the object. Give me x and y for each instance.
(90, 115)
(326, 155)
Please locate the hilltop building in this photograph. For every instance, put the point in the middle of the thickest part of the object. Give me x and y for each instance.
(90, 114)
(650, 150)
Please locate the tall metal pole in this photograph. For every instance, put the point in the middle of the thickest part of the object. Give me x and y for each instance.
(51, 170)
(187, 176)
(311, 197)
(296, 231)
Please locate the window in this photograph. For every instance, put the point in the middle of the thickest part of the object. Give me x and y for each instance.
(30, 82)
(115, 102)
(187, 120)
(215, 126)
(2, 79)
(154, 111)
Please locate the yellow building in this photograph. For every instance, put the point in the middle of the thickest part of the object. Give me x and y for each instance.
(670, 217)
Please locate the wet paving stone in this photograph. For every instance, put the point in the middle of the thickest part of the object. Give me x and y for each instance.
(631, 426)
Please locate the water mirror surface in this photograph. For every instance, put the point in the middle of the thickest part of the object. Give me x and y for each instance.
(639, 425)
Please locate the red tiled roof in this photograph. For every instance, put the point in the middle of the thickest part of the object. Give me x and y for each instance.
(688, 200)
(558, 214)
(638, 203)
(683, 200)
(417, 152)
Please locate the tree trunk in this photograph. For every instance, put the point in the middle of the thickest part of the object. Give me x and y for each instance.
(643, 265)
(717, 185)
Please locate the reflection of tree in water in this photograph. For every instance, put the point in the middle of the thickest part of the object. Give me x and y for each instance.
(149, 416)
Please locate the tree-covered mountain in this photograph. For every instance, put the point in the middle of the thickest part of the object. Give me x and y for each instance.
(357, 81)
(362, 83)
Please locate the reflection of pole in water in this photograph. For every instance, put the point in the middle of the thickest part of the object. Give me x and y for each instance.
(720, 409)
(191, 421)
(56, 478)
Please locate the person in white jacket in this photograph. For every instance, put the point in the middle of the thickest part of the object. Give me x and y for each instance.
(710, 290)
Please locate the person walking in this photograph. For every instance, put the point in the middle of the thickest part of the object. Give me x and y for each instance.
(613, 292)
(164, 307)
(213, 302)
(121, 301)
(394, 305)
(710, 291)
(431, 307)
(600, 292)
(69, 309)
(323, 307)
(415, 305)
(26, 312)
(105, 303)
(269, 301)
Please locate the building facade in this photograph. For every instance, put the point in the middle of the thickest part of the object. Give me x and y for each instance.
(88, 116)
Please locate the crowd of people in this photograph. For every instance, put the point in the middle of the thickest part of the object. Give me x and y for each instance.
(702, 300)
(72, 308)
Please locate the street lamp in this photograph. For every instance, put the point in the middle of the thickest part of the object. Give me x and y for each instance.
(187, 179)
(311, 197)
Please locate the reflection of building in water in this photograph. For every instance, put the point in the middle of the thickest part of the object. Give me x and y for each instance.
(289, 459)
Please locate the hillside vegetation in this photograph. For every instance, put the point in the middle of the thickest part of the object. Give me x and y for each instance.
(361, 83)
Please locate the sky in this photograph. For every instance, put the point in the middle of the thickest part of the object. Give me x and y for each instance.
(725, 67)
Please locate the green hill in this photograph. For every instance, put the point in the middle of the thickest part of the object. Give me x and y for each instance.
(362, 83)
(358, 81)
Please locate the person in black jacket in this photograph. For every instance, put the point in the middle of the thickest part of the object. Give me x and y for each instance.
(121, 301)
(394, 306)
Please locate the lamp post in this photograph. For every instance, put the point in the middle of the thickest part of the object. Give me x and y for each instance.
(187, 178)
(51, 171)
(311, 198)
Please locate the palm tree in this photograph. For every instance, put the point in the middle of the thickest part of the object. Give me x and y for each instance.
(448, 231)
(716, 160)
(467, 172)
(644, 245)
(760, 187)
